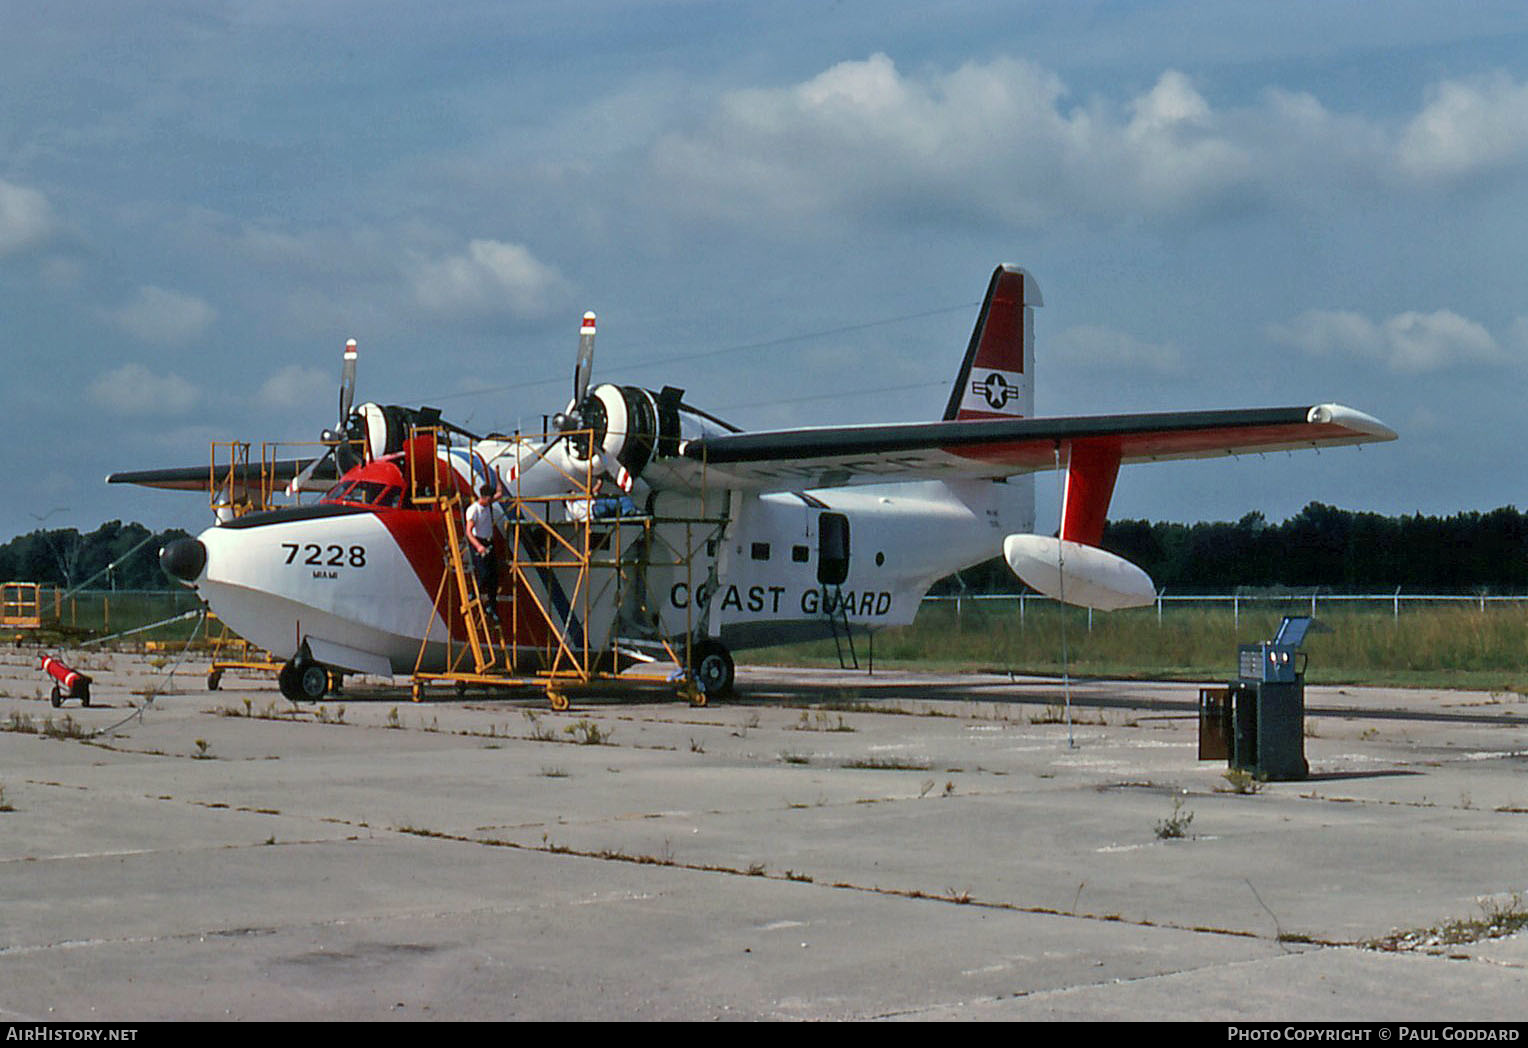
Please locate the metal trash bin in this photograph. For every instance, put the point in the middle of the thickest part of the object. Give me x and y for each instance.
(1214, 723)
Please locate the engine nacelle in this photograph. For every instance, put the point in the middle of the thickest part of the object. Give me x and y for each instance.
(384, 428)
(1077, 574)
(625, 424)
(615, 433)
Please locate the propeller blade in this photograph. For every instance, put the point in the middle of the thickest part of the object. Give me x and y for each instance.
(585, 369)
(347, 385)
(302, 478)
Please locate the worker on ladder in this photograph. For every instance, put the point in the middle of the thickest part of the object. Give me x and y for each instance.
(483, 519)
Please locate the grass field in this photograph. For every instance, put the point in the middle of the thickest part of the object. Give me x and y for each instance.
(1426, 645)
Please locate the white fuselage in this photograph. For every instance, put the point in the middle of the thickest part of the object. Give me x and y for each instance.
(363, 586)
(775, 579)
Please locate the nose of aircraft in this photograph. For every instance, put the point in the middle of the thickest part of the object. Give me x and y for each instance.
(184, 559)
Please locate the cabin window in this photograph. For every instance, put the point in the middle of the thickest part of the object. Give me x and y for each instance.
(761, 551)
(800, 554)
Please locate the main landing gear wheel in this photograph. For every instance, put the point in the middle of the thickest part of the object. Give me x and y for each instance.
(303, 681)
(711, 663)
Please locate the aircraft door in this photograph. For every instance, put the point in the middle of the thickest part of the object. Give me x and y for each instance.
(832, 548)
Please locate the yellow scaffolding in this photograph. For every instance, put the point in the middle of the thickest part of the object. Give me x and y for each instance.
(21, 605)
(234, 489)
(590, 561)
(232, 652)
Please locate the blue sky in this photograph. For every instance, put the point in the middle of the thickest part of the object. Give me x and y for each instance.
(1237, 204)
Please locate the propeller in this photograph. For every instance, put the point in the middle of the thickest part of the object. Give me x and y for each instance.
(347, 382)
(339, 438)
(583, 371)
(582, 413)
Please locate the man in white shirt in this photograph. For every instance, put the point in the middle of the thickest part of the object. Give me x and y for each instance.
(482, 521)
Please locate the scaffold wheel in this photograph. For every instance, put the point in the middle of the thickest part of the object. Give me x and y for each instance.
(558, 699)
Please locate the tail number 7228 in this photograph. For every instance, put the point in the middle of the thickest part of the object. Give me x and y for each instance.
(333, 556)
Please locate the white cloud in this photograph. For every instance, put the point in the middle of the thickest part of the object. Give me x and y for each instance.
(1467, 129)
(990, 139)
(164, 317)
(25, 217)
(133, 389)
(1104, 347)
(1001, 141)
(1409, 342)
(491, 276)
(295, 386)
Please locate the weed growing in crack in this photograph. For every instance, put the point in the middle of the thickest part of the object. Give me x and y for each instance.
(65, 728)
(888, 764)
(21, 723)
(539, 732)
(1498, 918)
(820, 720)
(588, 733)
(1239, 780)
(1175, 826)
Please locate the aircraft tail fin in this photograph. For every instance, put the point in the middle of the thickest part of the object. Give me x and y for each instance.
(996, 379)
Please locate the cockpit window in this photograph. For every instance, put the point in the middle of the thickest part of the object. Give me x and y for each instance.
(365, 492)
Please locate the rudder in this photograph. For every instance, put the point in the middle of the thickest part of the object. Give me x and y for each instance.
(996, 378)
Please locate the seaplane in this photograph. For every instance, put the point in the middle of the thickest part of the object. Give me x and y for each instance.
(718, 538)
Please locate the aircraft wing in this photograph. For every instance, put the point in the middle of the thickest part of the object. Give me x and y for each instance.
(835, 456)
(200, 478)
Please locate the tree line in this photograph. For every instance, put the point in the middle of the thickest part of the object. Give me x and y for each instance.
(1319, 547)
(64, 557)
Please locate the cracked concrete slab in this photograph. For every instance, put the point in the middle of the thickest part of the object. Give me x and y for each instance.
(829, 845)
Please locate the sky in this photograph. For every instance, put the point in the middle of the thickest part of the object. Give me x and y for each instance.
(789, 210)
